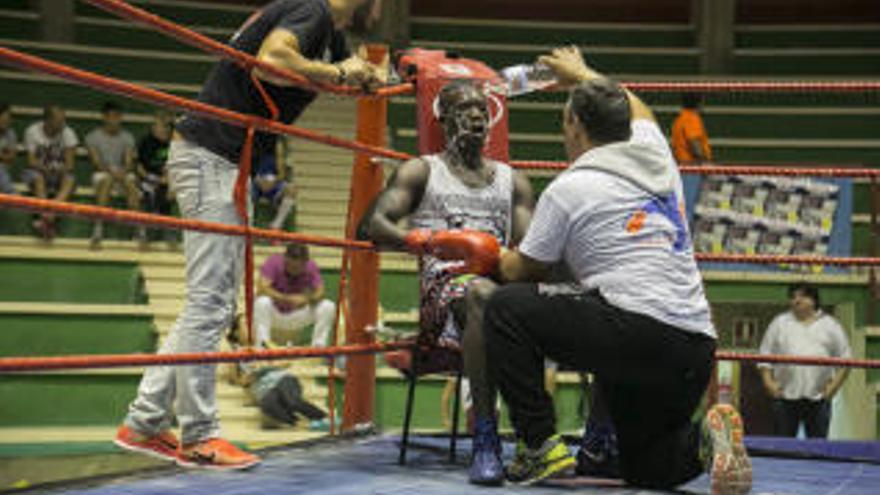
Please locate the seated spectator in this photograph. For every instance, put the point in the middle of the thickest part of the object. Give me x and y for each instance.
(802, 394)
(111, 150)
(290, 296)
(51, 148)
(152, 154)
(271, 184)
(690, 143)
(8, 143)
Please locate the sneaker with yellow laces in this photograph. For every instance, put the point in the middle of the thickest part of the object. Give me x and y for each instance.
(530, 466)
(217, 454)
(723, 452)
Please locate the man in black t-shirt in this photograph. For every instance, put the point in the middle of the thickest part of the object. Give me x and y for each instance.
(152, 154)
(202, 166)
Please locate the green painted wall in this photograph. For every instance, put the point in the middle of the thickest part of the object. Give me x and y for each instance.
(53, 335)
(72, 282)
(65, 399)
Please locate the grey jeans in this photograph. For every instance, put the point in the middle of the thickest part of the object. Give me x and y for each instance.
(203, 183)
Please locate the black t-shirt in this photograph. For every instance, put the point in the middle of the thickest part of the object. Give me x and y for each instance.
(153, 154)
(229, 86)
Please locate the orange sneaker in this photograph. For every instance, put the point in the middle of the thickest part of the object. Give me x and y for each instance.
(215, 453)
(161, 446)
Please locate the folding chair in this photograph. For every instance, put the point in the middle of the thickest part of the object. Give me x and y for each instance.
(430, 360)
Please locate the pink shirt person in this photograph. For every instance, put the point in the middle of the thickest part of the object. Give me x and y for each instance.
(274, 272)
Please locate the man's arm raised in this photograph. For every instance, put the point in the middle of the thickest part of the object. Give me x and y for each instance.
(570, 69)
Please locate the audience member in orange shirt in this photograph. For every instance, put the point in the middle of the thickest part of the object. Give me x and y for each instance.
(690, 144)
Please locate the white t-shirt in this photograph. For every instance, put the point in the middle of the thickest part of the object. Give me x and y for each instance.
(631, 245)
(50, 150)
(112, 149)
(823, 337)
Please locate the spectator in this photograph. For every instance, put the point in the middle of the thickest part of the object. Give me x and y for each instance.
(802, 394)
(111, 150)
(290, 296)
(690, 144)
(152, 154)
(51, 147)
(270, 184)
(8, 143)
(275, 390)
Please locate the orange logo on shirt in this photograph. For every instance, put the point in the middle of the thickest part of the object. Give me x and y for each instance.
(636, 221)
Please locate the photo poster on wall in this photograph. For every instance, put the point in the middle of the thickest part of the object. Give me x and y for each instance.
(769, 215)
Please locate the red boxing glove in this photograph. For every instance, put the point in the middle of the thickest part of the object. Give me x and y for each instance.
(417, 240)
(479, 251)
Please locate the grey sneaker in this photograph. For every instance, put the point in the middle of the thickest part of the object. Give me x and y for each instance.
(724, 453)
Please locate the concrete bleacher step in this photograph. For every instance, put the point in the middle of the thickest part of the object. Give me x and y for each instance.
(122, 63)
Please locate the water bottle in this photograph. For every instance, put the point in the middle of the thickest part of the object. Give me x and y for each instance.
(526, 78)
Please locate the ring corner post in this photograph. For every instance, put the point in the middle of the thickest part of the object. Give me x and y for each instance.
(363, 295)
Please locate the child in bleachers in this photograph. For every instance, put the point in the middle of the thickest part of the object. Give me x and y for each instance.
(8, 142)
(111, 150)
(152, 154)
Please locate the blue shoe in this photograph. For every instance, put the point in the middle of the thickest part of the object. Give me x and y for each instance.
(486, 467)
(598, 455)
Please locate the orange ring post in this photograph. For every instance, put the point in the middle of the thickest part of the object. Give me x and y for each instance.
(363, 296)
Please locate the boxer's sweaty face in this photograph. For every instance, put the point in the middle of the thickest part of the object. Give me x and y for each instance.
(467, 124)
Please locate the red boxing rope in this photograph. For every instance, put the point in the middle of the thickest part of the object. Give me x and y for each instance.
(198, 40)
(755, 87)
(790, 259)
(152, 220)
(110, 85)
(85, 361)
(768, 170)
(802, 360)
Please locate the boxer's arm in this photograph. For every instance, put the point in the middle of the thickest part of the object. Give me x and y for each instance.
(523, 207)
(570, 69)
(400, 198)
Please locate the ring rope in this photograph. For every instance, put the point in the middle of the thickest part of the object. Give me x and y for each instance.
(152, 220)
(720, 169)
(161, 221)
(209, 45)
(111, 85)
(90, 361)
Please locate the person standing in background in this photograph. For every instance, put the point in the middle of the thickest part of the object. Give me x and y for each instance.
(690, 143)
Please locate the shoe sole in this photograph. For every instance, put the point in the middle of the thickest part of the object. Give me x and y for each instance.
(216, 467)
(556, 468)
(143, 450)
(731, 472)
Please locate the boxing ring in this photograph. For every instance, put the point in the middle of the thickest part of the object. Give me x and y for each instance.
(348, 462)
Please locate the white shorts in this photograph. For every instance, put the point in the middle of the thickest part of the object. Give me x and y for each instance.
(117, 188)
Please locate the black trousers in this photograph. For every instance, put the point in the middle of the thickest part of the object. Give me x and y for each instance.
(284, 402)
(815, 414)
(652, 375)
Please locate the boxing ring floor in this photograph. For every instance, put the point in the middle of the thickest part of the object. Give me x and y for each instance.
(367, 465)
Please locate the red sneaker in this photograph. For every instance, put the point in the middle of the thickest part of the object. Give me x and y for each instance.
(162, 446)
(215, 453)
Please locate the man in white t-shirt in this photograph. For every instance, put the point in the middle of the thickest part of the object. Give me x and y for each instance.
(802, 394)
(638, 319)
(51, 147)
